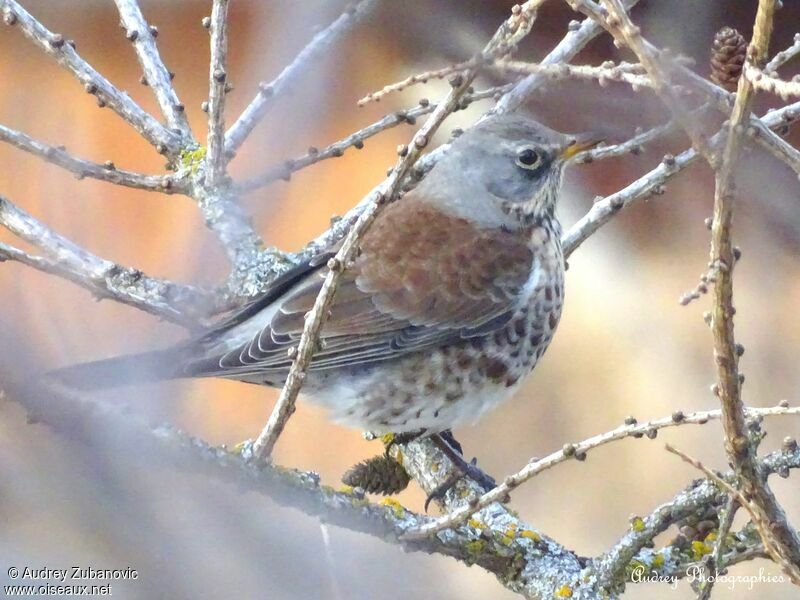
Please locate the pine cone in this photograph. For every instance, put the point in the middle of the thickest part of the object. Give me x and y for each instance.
(727, 57)
(378, 475)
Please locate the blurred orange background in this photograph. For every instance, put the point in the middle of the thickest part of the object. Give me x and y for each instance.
(624, 346)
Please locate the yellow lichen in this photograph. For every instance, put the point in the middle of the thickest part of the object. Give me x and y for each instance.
(711, 537)
(346, 489)
(192, 159)
(564, 592)
(531, 535)
(700, 549)
(658, 561)
(397, 508)
(387, 438)
(474, 548)
(476, 524)
(637, 524)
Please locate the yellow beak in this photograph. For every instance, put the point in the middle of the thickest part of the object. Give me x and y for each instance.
(580, 143)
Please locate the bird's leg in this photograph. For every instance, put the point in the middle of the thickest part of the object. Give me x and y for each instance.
(447, 436)
(452, 450)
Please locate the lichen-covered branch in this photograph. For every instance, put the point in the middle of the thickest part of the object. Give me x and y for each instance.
(610, 568)
(760, 519)
(577, 451)
(502, 544)
(156, 75)
(268, 92)
(63, 51)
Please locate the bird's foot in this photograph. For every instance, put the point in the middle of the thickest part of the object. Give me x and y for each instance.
(452, 450)
(405, 437)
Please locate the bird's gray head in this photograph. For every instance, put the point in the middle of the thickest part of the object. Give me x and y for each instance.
(504, 171)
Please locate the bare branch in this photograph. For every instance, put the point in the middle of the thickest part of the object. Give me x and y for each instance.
(85, 168)
(781, 58)
(106, 93)
(574, 41)
(762, 81)
(423, 77)
(316, 48)
(356, 140)
(604, 209)
(737, 445)
(607, 72)
(185, 305)
(143, 36)
(579, 451)
(618, 23)
(217, 85)
(774, 144)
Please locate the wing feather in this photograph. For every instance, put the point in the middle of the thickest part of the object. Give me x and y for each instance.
(422, 279)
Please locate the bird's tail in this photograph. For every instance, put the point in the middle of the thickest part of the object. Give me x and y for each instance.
(118, 371)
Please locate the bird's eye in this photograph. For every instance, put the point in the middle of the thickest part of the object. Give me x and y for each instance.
(528, 158)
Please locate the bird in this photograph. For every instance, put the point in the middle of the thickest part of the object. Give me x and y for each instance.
(453, 298)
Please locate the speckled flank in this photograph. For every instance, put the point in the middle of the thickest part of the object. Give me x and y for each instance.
(456, 383)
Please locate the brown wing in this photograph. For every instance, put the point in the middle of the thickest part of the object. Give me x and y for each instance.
(422, 279)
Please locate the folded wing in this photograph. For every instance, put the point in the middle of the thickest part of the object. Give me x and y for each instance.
(422, 279)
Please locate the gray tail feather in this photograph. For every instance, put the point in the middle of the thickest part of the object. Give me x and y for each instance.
(118, 371)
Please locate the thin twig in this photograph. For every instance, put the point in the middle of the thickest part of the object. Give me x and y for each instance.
(764, 82)
(716, 563)
(617, 22)
(604, 209)
(85, 168)
(106, 93)
(633, 145)
(577, 450)
(784, 56)
(217, 82)
(156, 75)
(185, 305)
(503, 41)
(268, 92)
(740, 451)
(356, 140)
(774, 145)
(576, 39)
(423, 77)
(607, 72)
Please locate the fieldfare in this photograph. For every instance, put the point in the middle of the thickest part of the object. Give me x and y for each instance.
(454, 297)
